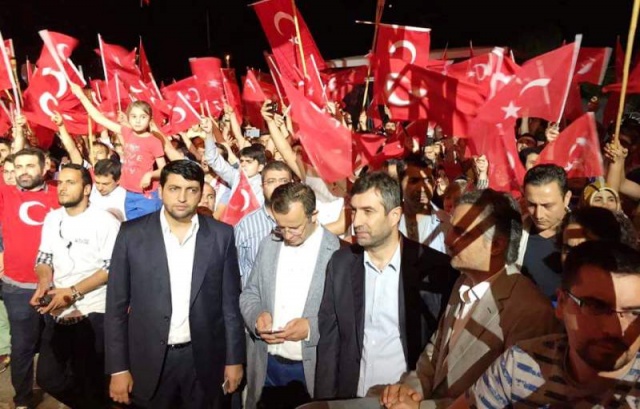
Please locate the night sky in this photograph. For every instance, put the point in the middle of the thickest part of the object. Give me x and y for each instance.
(174, 30)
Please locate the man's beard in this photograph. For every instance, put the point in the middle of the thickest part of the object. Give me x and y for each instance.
(33, 183)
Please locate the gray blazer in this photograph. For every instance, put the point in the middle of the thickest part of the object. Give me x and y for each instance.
(259, 296)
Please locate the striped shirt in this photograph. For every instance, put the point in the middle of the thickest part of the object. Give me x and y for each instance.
(249, 232)
(532, 374)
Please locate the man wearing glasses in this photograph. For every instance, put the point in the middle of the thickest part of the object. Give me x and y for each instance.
(596, 363)
(281, 300)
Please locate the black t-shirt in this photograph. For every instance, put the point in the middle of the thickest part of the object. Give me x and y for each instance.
(542, 263)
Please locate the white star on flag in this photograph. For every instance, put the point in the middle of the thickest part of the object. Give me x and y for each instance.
(511, 111)
(213, 83)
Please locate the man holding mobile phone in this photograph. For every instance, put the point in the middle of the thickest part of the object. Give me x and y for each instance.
(281, 300)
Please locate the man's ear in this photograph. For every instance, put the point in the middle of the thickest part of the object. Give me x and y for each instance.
(499, 245)
(567, 199)
(260, 167)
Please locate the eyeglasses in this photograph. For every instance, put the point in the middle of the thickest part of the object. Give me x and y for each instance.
(598, 308)
(294, 231)
(272, 181)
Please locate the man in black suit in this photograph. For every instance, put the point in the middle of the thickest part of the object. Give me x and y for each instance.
(382, 298)
(173, 328)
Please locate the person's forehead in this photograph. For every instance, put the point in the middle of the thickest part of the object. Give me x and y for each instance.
(549, 190)
(370, 198)
(25, 159)
(593, 281)
(416, 171)
(70, 174)
(294, 215)
(466, 215)
(275, 173)
(104, 178)
(179, 180)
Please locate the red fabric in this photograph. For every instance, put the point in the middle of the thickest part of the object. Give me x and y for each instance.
(410, 44)
(145, 67)
(577, 149)
(6, 72)
(574, 109)
(413, 93)
(313, 87)
(538, 90)
(208, 75)
(8, 46)
(368, 146)
(342, 81)
(276, 18)
(183, 116)
(22, 214)
(276, 77)
(325, 140)
(189, 89)
(592, 65)
(120, 60)
(5, 121)
(254, 93)
(232, 92)
(139, 156)
(241, 203)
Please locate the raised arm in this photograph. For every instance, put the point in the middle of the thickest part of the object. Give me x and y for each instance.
(93, 112)
(67, 140)
(274, 123)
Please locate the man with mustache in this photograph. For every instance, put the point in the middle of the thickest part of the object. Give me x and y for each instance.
(596, 364)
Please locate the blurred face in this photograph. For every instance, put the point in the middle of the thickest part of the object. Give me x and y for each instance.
(525, 142)
(105, 184)
(547, 206)
(605, 198)
(599, 337)
(100, 153)
(271, 180)
(466, 242)
(390, 127)
(417, 187)
(392, 170)
(208, 197)
(199, 144)
(5, 150)
(9, 174)
(573, 235)
(430, 152)
(29, 173)
(532, 158)
(70, 190)
(250, 166)
(450, 200)
(139, 120)
(338, 188)
(442, 180)
(180, 197)
(295, 226)
(373, 226)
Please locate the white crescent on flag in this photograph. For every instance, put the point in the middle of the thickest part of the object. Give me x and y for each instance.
(23, 213)
(404, 44)
(196, 95)
(246, 200)
(278, 17)
(540, 82)
(393, 98)
(180, 111)
(62, 81)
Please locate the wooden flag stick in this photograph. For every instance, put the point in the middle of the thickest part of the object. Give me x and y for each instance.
(300, 49)
(625, 72)
(379, 10)
(7, 64)
(90, 137)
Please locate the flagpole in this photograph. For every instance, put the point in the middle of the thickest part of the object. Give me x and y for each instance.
(572, 69)
(90, 139)
(7, 64)
(300, 49)
(625, 72)
(379, 10)
(104, 64)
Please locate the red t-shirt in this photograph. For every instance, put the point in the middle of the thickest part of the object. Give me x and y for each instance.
(22, 214)
(139, 156)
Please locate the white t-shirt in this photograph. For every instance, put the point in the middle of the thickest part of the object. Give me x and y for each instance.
(113, 202)
(80, 245)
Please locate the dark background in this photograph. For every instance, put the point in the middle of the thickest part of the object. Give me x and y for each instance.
(174, 30)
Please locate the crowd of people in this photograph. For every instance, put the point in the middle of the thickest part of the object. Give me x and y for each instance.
(413, 285)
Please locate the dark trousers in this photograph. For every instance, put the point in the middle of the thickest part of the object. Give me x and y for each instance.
(179, 386)
(26, 328)
(71, 363)
(285, 385)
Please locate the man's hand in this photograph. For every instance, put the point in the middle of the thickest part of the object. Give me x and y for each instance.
(61, 298)
(20, 120)
(482, 166)
(120, 387)
(145, 182)
(233, 377)
(265, 111)
(56, 118)
(264, 326)
(122, 118)
(206, 124)
(41, 290)
(394, 394)
(552, 132)
(296, 330)
(406, 404)
(615, 152)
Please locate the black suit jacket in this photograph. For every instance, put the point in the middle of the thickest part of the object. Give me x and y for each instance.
(139, 304)
(427, 280)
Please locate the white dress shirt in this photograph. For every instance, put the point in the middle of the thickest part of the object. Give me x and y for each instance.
(383, 361)
(180, 261)
(296, 265)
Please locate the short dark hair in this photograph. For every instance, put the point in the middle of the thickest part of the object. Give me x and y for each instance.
(597, 221)
(502, 211)
(279, 166)
(106, 167)
(37, 152)
(610, 256)
(5, 141)
(10, 158)
(86, 176)
(187, 169)
(524, 154)
(255, 152)
(417, 161)
(387, 186)
(284, 195)
(544, 174)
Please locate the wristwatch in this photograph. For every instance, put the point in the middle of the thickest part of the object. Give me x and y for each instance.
(75, 294)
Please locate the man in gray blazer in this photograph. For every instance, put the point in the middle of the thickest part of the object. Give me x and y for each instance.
(490, 309)
(281, 300)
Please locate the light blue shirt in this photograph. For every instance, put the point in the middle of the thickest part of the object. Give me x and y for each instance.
(383, 361)
(430, 231)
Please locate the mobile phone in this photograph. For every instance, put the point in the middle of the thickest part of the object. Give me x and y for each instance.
(252, 133)
(273, 107)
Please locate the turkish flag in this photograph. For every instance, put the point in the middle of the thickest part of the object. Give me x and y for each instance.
(6, 73)
(232, 92)
(188, 87)
(5, 119)
(313, 87)
(412, 92)
(491, 71)
(410, 44)
(342, 81)
(145, 67)
(183, 116)
(326, 141)
(506, 172)
(592, 65)
(276, 18)
(241, 203)
(118, 59)
(539, 90)
(276, 77)
(254, 93)
(368, 145)
(577, 149)
(208, 75)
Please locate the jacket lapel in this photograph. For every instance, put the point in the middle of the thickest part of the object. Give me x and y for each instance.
(159, 264)
(409, 305)
(316, 287)
(271, 271)
(357, 285)
(205, 244)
